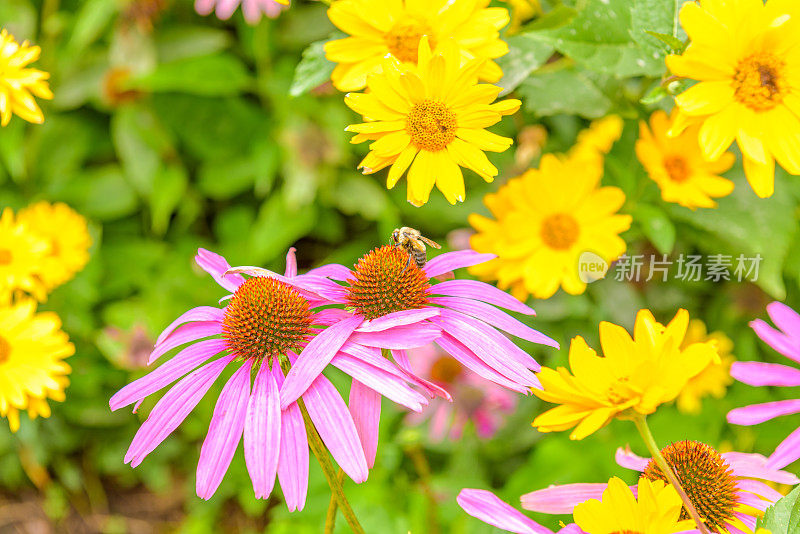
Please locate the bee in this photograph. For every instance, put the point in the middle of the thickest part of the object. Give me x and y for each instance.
(413, 242)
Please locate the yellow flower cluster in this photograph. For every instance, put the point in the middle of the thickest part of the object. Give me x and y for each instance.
(632, 378)
(18, 84)
(546, 219)
(745, 56)
(42, 247)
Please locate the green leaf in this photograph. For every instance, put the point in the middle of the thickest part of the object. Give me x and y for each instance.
(277, 227)
(313, 70)
(675, 45)
(525, 55)
(166, 196)
(656, 226)
(599, 38)
(564, 91)
(555, 18)
(784, 516)
(746, 224)
(183, 42)
(211, 75)
(656, 94)
(101, 193)
(89, 24)
(140, 142)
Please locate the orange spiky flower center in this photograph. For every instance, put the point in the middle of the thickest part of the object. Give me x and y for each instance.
(706, 478)
(403, 40)
(266, 318)
(759, 82)
(431, 125)
(385, 281)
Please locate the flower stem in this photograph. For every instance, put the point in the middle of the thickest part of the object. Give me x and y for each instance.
(641, 425)
(330, 518)
(319, 450)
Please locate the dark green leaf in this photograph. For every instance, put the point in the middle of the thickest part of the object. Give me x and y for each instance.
(656, 226)
(564, 91)
(313, 70)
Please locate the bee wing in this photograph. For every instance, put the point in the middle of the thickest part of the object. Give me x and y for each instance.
(432, 243)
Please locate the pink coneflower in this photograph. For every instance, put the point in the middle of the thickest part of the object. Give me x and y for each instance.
(726, 489)
(786, 340)
(486, 506)
(390, 303)
(474, 399)
(266, 322)
(252, 9)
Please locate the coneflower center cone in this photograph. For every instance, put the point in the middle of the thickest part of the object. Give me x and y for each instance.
(706, 479)
(265, 318)
(758, 82)
(431, 125)
(560, 231)
(385, 281)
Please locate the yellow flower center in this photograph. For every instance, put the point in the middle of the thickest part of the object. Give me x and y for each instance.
(431, 125)
(385, 281)
(758, 82)
(677, 168)
(445, 370)
(265, 318)
(5, 350)
(560, 231)
(5, 256)
(707, 480)
(403, 40)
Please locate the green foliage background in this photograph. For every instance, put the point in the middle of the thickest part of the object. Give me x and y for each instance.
(218, 143)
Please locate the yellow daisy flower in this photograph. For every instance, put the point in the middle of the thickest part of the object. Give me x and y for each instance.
(430, 121)
(634, 376)
(746, 57)
(17, 83)
(655, 510)
(68, 235)
(544, 221)
(596, 141)
(677, 164)
(715, 378)
(521, 12)
(32, 349)
(394, 28)
(21, 255)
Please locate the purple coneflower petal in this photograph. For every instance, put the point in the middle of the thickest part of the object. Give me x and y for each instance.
(784, 317)
(335, 425)
(626, 458)
(480, 291)
(291, 262)
(750, 465)
(765, 374)
(172, 409)
(758, 413)
(776, 339)
(786, 453)
(204, 7)
(495, 317)
(487, 507)
(201, 313)
(748, 499)
(293, 455)
(215, 265)
(314, 358)
(399, 337)
(185, 334)
(183, 362)
(486, 344)
(388, 385)
(450, 261)
(330, 316)
(365, 408)
(399, 318)
(758, 488)
(747, 519)
(262, 432)
(333, 271)
(467, 358)
(562, 499)
(224, 433)
(433, 390)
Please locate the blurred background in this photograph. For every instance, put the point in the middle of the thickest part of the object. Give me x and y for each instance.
(170, 131)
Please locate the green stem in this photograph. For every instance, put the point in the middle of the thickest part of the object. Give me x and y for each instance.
(330, 518)
(321, 453)
(641, 425)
